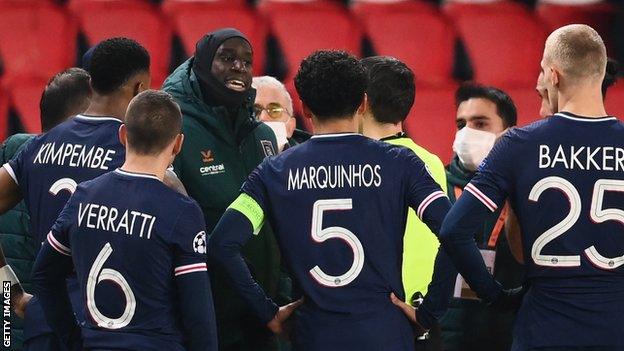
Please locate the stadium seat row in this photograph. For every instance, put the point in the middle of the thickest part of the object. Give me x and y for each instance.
(503, 41)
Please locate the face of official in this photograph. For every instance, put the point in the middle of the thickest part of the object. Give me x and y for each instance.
(480, 114)
(232, 64)
(545, 110)
(269, 100)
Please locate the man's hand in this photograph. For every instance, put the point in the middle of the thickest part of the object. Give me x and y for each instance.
(509, 300)
(19, 299)
(410, 312)
(20, 304)
(276, 325)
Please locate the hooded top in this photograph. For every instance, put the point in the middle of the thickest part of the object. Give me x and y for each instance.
(214, 91)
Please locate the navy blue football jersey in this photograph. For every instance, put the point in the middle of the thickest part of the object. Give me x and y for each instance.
(564, 177)
(338, 204)
(47, 172)
(127, 251)
(49, 168)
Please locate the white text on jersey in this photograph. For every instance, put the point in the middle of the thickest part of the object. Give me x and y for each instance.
(335, 176)
(585, 158)
(111, 219)
(74, 155)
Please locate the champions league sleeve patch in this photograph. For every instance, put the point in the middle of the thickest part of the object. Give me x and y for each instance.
(268, 148)
(199, 243)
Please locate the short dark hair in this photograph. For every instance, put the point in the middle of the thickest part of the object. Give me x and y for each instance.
(65, 95)
(331, 83)
(114, 61)
(505, 106)
(390, 88)
(153, 120)
(612, 74)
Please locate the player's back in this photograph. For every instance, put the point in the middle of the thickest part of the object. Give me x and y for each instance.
(126, 237)
(338, 204)
(567, 188)
(51, 166)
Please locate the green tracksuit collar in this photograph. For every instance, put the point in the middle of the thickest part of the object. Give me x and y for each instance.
(457, 175)
(218, 118)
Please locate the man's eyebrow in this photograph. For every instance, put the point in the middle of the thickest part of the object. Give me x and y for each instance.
(478, 117)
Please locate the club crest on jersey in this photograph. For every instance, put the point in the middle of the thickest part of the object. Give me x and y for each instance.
(267, 146)
(207, 156)
(199, 242)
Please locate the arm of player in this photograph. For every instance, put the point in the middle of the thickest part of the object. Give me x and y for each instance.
(457, 237)
(484, 194)
(192, 280)
(198, 321)
(10, 194)
(242, 219)
(19, 298)
(49, 273)
(431, 205)
(514, 235)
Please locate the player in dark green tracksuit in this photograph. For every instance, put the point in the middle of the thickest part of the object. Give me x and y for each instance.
(223, 144)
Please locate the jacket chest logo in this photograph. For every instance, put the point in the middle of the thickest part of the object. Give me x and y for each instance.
(207, 157)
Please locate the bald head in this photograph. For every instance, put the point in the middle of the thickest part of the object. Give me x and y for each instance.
(578, 51)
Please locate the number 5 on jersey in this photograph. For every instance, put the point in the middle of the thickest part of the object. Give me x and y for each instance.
(320, 235)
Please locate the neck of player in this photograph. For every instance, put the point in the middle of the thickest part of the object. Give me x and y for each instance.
(335, 125)
(585, 100)
(147, 164)
(111, 105)
(378, 131)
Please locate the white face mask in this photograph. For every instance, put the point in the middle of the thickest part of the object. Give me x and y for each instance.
(472, 146)
(279, 128)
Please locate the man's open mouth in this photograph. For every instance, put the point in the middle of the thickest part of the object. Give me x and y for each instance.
(236, 84)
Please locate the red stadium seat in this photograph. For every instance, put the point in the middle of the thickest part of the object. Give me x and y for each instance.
(138, 20)
(4, 112)
(230, 3)
(458, 9)
(302, 28)
(25, 96)
(614, 102)
(527, 103)
(192, 19)
(600, 16)
(36, 38)
(413, 32)
(505, 46)
(431, 123)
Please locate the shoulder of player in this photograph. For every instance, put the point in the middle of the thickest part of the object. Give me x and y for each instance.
(187, 209)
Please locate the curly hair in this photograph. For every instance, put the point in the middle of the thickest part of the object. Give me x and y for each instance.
(331, 84)
(114, 61)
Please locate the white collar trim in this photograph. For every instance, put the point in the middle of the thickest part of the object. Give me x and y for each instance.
(138, 175)
(93, 118)
(586, 119)
(333, 135)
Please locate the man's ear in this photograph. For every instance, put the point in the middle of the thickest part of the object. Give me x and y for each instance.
(177, 146)
(554, 76)
(290, 126)
(363, 105)
(123, 135)
(138, 87)
(306, 111)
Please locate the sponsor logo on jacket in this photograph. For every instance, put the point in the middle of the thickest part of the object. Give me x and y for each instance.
(208, 157)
